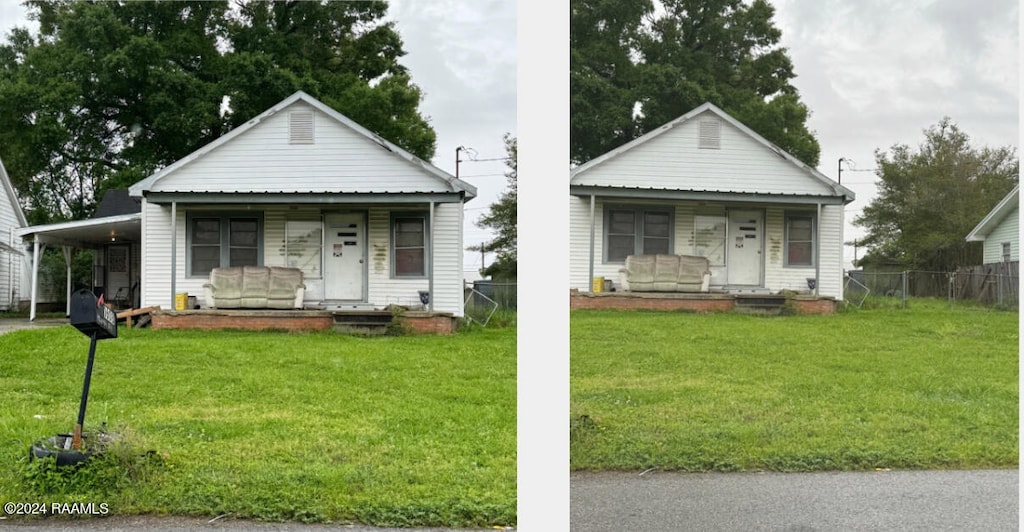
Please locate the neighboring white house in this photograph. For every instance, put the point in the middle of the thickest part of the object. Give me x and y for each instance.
(704, 184)
(1000, 230)
(13, 260)
(303, 186)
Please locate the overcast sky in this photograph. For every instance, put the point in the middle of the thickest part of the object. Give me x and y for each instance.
(877, 73)
(463, 54)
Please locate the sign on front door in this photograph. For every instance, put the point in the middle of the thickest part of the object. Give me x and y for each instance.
(744, 243)
(344, 256)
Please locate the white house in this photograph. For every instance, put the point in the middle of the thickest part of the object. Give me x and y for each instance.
(704, 184)
(1000, 230)
(13, 260)
(302, 186)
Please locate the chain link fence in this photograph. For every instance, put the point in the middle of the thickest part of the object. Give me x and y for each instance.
(994, 285)
(485, 298)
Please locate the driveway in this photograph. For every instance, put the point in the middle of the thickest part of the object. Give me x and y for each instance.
(877, 501)
(16, 324)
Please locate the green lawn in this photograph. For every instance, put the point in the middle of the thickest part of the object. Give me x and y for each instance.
(924, 387)
(391, 431)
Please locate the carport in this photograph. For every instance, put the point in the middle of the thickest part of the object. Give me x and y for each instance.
(121, 232)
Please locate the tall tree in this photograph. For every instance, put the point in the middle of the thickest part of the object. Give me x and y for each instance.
(341, 53)
(103, 95)
(502, 218)
(109, 92)
(663, 63)
(930, 199)
(602, 41)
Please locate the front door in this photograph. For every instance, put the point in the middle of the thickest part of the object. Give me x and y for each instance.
(743, 244)
(344, 256)
(118, 286)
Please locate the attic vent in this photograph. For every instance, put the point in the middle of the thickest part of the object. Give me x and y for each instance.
(710, 135)
(300, 127)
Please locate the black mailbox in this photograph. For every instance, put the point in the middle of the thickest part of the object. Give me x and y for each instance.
(90, 317)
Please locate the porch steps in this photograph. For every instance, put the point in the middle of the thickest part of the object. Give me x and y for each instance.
(369, 322)
(765, 305)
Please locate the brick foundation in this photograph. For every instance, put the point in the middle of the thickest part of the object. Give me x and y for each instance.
(701, 303)
(250, 320)
(288, 320)
(428, 323)
(814, 306)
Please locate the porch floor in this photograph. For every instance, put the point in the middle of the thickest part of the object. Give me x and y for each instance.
(344, 321)
(753, 303)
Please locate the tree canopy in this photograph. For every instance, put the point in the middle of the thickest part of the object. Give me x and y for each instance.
(929, 199)
(502, 218)
(109, 92)
(634, 68)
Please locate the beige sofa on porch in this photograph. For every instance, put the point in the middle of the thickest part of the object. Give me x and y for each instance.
(665, 273)
(255, 287)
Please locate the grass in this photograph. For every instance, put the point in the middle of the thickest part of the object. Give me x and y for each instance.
(387, 431)
(927, 387)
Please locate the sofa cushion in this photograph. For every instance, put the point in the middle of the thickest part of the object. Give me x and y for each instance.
(228, 282)
(255, 281)
(283, 282)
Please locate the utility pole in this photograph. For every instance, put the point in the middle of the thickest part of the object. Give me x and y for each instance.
(457, 161)
(840, 164)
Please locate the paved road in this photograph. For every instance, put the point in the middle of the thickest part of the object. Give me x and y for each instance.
(877, 501)
(143, 522)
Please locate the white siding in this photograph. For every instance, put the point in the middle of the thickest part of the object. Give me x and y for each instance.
(10, 264)
(263, 160)
(1008, 230)
(777, 276)
(673, 161)
(446, 250)
(156, 255)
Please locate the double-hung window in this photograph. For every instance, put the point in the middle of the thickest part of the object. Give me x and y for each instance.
(800, 240)
(409, 244)
(223, 240)
(634, 230)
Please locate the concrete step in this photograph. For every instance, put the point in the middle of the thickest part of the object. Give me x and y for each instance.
(370, 322)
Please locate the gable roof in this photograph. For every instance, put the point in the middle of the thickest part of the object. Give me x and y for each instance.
(823, 185)
(12, 196)
(440, 178)
(998, 213)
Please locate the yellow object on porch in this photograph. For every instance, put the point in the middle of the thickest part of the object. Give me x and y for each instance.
(598, 284)
(180, 301)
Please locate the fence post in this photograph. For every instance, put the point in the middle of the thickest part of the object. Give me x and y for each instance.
(952, 280)
(999, 284)
(905, 285)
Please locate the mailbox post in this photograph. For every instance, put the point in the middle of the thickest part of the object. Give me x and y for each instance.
(98, 322)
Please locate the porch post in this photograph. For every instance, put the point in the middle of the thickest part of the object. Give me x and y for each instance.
(35, 277)
(590, 276)
(817, 253)
(67, 262)
(430, 262)
(174, 251)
